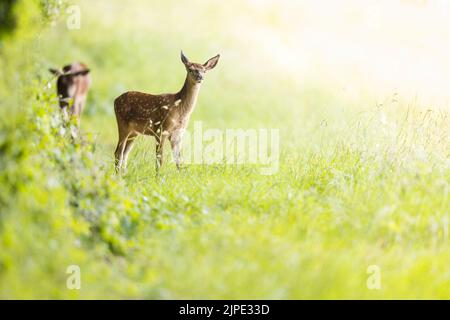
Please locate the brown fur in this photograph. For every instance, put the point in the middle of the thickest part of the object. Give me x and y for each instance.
(161, 116)
(72, 87)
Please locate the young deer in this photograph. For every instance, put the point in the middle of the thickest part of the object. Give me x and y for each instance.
(72, 85)
(162, 116)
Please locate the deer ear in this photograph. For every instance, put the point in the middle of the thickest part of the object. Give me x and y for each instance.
(184, 59)
(211, 63)
(79, 73)
(55, 72)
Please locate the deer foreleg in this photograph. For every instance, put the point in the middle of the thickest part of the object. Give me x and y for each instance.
(175, 141)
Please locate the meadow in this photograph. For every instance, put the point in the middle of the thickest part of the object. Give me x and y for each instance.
(359, 96)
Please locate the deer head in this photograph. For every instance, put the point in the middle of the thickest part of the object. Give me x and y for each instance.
(196, 71)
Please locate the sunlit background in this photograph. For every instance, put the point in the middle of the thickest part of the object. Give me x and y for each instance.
(375, 47)
(359, 91)
(378, 47)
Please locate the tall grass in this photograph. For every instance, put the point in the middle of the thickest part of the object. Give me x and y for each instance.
(363, 177)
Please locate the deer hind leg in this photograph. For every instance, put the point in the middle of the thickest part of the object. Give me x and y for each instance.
(75, 107)
(159, 152)
(129, 145)
(123, 136)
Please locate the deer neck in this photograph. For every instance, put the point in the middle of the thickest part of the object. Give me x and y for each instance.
(188, 95)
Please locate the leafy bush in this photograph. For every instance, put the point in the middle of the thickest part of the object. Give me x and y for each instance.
(355, 187)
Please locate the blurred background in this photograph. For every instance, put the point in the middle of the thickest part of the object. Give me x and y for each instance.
(358, 89)
(289, 58)
(275, 56)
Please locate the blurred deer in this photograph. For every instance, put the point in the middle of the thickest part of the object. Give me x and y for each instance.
(163, 116)
(72, 87)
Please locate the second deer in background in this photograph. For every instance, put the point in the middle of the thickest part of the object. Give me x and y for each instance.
(72, 87)
(162, 116)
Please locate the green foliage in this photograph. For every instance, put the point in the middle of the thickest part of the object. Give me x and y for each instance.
(7, 19)
(358, 185)
(14, 13)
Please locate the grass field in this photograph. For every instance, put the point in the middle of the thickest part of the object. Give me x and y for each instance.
(360, 98)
